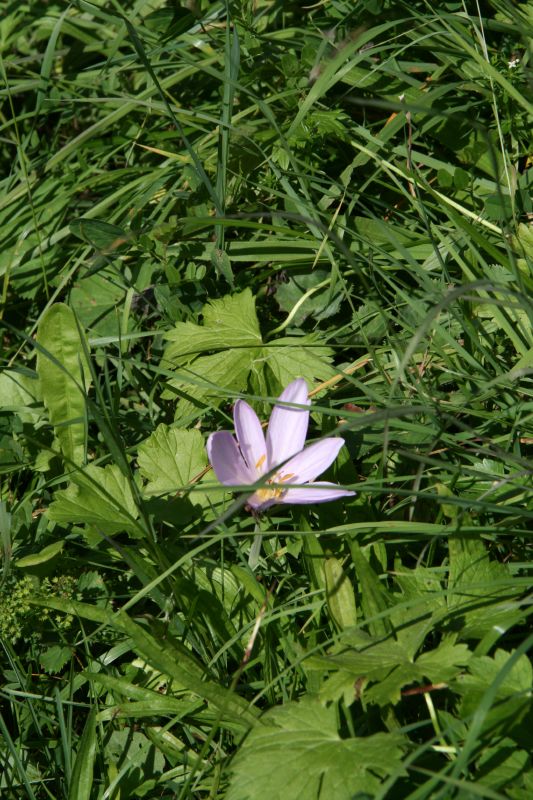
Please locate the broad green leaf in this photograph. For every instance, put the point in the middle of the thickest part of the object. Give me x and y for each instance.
(187, 341)
(339, 594)
(514, 693)
(312, 291)
(137, 758)
(228, 322)
(40, 558)
(63, 378)
(20, 393)
(298, 753)
(205, 382)
(382, 668)
(502, 766)
(483, 670)
(479, 590)
(103, 236)
(421, 583)
(96, 301)
(99, 496)
(170, 458)
(82, 773)
(290, 357)
(443, 663)
(231, 329)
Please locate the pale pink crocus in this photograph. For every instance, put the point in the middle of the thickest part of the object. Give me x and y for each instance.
(281, 455)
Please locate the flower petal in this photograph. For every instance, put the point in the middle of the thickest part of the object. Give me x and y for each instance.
(316, 493)
(311, 462)
(227, 461)
(287, 428)
(250, 437)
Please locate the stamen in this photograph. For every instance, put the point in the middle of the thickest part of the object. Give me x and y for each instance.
(269, 494)
(283, 478)
(261, 461)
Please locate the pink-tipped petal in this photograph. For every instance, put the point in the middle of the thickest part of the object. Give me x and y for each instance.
(250, 437)
(316, 493)
(226, 460)
(287, 428)
(311, 462)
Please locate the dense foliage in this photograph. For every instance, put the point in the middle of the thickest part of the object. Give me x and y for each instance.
(201, 203)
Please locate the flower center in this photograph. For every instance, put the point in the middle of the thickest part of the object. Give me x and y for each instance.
(264, 494)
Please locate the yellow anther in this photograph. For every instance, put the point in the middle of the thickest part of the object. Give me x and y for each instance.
(271, 493)
(268, 494)
(261, 461)
(283, 478)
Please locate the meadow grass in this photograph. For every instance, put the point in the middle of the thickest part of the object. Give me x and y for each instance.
(201, 203)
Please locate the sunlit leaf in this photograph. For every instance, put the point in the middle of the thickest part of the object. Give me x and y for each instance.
(170, 458)
(311, 759)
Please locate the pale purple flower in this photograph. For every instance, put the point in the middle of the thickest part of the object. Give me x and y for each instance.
(244, 460)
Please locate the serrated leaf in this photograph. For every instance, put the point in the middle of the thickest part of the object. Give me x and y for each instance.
(207, 380)
(382, 668)
(99, 496)
(483, 670)
(170, 458)
(228, 322)
(54, 658)
(290, 357)
(513, 695)
(232, 330)
(503, 766)
(443, 663)
(62, 377)
(311, 760)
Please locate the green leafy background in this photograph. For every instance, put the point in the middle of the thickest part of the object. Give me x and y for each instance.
(201, 202)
